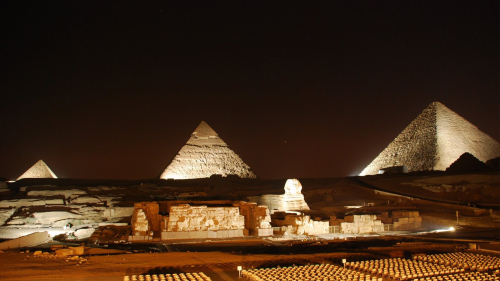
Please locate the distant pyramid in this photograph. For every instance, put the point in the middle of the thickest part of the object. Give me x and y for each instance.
(40, 170)
(433, 141)
(204, 155)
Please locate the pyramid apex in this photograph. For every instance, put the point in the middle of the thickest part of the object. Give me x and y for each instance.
(204, 130)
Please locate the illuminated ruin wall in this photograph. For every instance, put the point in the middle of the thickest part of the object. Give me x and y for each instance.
(48, 208)
(361, 224)
(188, 222)
(257, 218)
(146, 219)
(201, 218)
(301, 225)
(433, 141)
(406, 220)
(204, 155)
(195, 222)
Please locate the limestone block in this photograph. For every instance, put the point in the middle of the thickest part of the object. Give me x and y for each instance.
(203, 218)
(49, 193)
(265, 232)
(358, 224)
(86, 200)
(77, 250)
(139, 221)
(64, 252)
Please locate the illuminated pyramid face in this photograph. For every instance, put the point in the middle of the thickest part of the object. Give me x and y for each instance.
(204, 155)
(433, 141)
(40, 170)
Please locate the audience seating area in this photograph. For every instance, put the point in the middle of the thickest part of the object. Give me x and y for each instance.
(442, 267)
(469, 261)
(200, 276)
(401, 269)
(322, 272)
(464, 276)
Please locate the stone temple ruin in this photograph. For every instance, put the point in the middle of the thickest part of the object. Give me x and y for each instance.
(433, 141)
(39, 170)
(204, 155)
(198, 222)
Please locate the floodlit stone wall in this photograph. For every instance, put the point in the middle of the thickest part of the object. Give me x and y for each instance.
(202, 218)
(360, 224)
(302, 225)
(145, 219)
(406, 220)
(257, 218)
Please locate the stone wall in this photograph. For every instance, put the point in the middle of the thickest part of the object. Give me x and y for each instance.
(202, 218)
(257, 218)
(302, 225)
(406, 220)
(360, 224)
(146, 219)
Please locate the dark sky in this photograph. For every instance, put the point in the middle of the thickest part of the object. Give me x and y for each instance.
(113, 89)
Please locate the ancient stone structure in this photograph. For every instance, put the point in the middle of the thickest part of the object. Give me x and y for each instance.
(51, 208)
(187, 222)
(30, 240)
(39, 170)
(292, 200)
(406, 220)
(433, 141)
(301, 225)
(191, 222)
(204, 155)
(361, 224)
(257, 219)
(145, 219)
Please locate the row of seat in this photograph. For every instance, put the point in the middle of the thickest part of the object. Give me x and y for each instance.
(464, 276)
(402, 269)
(308, 272)
(200, 276)
(469, 261)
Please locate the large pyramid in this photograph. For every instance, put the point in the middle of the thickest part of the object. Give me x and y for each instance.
(40, 170)
(433, 141)
(204, 155)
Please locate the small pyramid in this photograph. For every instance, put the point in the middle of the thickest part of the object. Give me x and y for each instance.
(204, 155)
(39, 171)
(467, 163)
(433, 141)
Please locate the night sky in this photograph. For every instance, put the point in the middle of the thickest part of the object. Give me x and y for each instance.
(113, 89)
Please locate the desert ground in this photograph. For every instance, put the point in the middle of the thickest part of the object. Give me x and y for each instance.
(219, 260)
